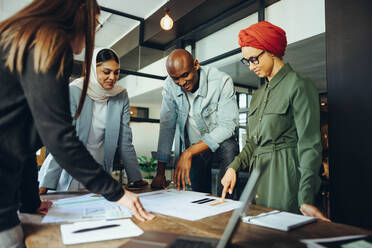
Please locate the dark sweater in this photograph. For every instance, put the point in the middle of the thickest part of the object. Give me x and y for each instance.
(35, 110)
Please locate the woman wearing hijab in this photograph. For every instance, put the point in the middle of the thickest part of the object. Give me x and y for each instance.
(283, 128)
(103, 125)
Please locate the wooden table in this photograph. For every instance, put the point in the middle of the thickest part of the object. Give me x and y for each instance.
(48, 235)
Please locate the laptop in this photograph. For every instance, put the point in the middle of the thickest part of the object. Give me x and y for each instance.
(173, 240)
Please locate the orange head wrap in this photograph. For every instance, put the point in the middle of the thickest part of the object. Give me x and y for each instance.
(264, 36)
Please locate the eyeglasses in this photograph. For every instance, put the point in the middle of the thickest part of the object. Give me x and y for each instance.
(253, 60)
(98, 25)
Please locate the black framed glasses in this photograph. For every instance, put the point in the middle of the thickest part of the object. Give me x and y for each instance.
(253, 59)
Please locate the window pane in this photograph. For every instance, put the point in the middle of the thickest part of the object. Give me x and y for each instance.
(242, 138)
(242, 100)
(243, 119)
(249, 99)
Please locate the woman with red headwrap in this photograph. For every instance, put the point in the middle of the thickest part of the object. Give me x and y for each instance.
(283, 127)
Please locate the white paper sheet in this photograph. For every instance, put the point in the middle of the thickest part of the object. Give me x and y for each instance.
(180, 204)
(83, 208)
(125, 229)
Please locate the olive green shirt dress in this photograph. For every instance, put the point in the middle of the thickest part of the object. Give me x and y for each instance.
(283, 132)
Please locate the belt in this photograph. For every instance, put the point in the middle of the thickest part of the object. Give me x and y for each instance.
(273, 147)
(269, 148)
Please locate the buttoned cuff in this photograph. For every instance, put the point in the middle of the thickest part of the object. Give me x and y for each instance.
(210, 142)
(115, 196)
(308, 195)
(235, 164)
(304, 201)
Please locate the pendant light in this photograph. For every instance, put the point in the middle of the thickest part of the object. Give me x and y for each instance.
(166, 22)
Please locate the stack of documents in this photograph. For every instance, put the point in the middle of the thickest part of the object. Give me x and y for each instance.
(83, 208)
(93, 231)
(283, 221)
(189, 205)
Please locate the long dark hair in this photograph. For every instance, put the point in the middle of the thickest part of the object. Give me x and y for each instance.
(49, 27)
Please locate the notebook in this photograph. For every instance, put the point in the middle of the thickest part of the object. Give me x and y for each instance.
(283, 221)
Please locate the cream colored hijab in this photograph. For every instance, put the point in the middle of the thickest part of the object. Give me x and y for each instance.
(95, 90)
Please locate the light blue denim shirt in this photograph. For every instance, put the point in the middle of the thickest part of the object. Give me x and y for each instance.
(215, 103)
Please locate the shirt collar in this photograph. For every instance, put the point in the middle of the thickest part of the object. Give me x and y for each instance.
(203, 86)
(279, 76)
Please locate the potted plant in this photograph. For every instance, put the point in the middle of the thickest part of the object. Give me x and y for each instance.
(147, 166)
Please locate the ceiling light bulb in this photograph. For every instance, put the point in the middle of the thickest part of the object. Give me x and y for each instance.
(166, 22)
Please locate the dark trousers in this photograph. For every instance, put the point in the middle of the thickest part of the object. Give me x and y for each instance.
(201, 170)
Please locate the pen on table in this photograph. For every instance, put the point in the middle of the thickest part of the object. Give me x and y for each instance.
(95, 228)
(197, 201)
(249, 218)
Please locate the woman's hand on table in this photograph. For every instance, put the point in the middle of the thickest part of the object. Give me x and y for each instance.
(44, 206)
(131, 201)
(228, 181)
(311, 210)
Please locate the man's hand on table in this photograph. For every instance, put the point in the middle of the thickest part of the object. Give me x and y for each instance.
(182, 171)
(131, 201)
(311, 210)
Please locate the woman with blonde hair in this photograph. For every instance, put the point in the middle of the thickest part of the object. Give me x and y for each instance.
(103, 125)
(36, 50)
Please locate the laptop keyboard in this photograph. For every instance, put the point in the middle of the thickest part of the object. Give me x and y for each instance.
(185, 243)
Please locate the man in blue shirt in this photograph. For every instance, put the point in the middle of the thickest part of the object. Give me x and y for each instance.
(200, 113)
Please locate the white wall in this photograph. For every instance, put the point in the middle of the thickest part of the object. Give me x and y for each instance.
(223, 40)
(299, 18)
(8, 8)
(140, 85)
(145, 137)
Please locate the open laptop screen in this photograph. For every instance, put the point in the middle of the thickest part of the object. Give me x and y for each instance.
(245, 199)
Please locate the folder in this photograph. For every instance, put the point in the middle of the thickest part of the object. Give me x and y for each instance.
(283, 221)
